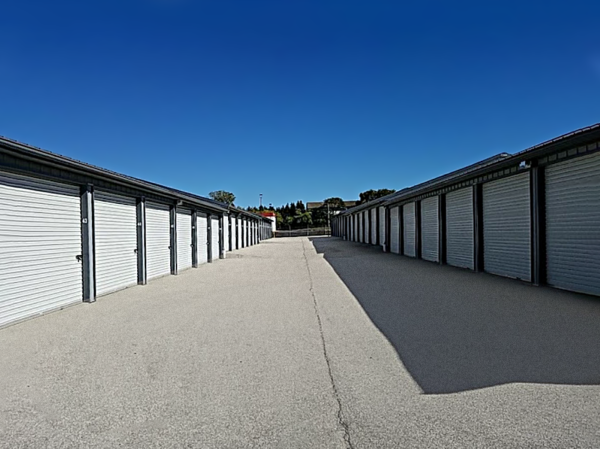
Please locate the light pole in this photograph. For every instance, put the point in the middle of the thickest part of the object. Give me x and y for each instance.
(260, 199)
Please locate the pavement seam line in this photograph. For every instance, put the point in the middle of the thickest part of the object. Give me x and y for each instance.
(340, 414)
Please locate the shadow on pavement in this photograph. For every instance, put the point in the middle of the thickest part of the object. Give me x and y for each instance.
(456, 330)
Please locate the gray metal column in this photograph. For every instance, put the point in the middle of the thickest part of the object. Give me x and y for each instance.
(418, 245)
(442, 229)
(478, 226)
(538, 231)
(388, 225)
(141, 241)
(194, 239)
(209, 241)
(173, 247)
(87, 243)
(229, 236)
(221, 242)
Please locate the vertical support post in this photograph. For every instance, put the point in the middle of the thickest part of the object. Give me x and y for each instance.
(173, 245)
(194, 239)
(418, 245)
(401, 229)
(221, 235)
(141, 241)
(442, 228)
(538, 228)
(229, 233)
(378, 227)
(388, 227)
(478, 259)
(87, 242)
(209, 242)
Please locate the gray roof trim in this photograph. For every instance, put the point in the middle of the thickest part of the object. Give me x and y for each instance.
(65, 163)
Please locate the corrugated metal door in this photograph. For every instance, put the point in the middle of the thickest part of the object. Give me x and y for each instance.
(233, 234)
(215, 237)
(382, 226)
(239, 233)
(430, 229)
(506, 227)
(158, 240)
(184, 239)
(410, 247)
(373, 226)
(573, 224)
(394, 230)
(202, 244)
(459, 228)
(225, 234)
(115, 230)
(40, 239)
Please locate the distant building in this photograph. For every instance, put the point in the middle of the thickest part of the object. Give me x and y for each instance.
(318, 204)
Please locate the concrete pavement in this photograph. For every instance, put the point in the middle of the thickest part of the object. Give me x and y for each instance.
(302, 343)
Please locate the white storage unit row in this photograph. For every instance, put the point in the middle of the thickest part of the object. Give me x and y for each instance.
(40, 239)
(573, 224)
(215, 237)
(158, 240)
(233, 233)
(430, 229)
(459, 228)
(382, 241)
(409, 234)
(115, 242)
(184, 239)
(373, 226)
(202, 235)
(506, 227)
(225, 235)
(395, 230)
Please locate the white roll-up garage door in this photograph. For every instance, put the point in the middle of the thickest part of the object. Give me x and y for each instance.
(233, 233)
(158, 240)
(429, 229)
(506, 227)
(373, 226)
(215, 238)
(394, 230)
(202, 245)
(408, 211)
(40, 239)
(225, 234)
(115, 231)
(382, 226)
(240, 239)
(184, 239)
(573, 224)
(459, 228)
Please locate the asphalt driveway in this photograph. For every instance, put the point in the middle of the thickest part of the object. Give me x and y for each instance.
(308, 343)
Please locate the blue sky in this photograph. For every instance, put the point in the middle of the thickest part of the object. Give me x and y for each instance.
(295, 99)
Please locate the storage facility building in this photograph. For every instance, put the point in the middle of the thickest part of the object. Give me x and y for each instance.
(533, 215)
(70, 231)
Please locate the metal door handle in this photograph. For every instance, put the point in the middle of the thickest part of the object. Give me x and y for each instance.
(135, 250)
(79, 257)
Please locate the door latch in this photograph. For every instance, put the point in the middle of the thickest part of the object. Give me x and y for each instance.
(79, 257)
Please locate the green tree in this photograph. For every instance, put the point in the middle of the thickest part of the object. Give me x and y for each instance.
(370, 195)
(223, 197)
(335, 203)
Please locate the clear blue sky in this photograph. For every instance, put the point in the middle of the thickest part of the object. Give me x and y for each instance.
(302, 99)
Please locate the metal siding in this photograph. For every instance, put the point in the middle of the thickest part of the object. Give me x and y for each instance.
(202, 244)
(184, 239)
(374, 226)
(158, 239)
(459, 228)
(394, 230)
(382, 226)
(430, 226)
(40, 239)
(408, 211)
(506, 227)
(215, 238)
(115, 233)
(573, 224)
(233, 234)
(225, 234)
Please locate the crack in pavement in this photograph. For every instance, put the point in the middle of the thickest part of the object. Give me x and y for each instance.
(340, 415)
